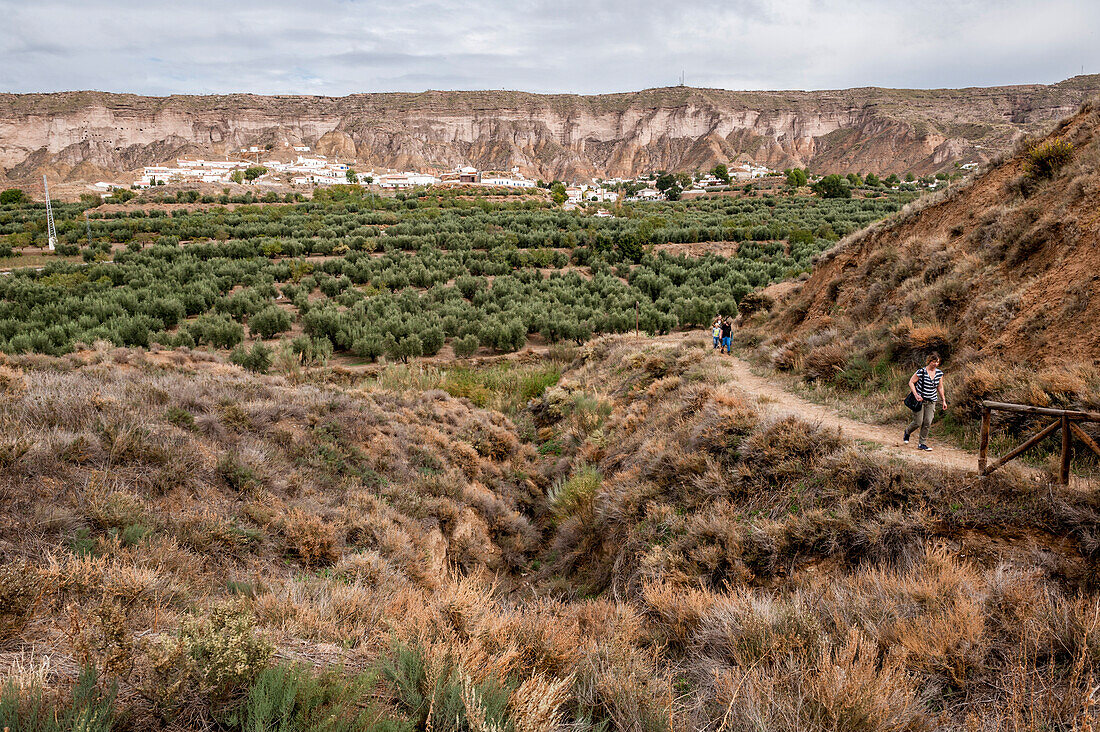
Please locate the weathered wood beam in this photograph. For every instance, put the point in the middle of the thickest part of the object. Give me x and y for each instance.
(1028, 409)
(1034, 440)
(1084, 437)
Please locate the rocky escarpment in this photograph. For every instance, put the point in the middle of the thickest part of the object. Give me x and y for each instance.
(70, 135)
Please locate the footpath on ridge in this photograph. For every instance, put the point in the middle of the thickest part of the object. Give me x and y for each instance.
(888, 437)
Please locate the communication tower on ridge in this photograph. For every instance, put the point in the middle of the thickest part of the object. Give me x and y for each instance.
(50, 230)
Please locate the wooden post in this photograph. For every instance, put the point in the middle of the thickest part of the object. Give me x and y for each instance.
(983, 449)
(1063, 474)
(636, 309)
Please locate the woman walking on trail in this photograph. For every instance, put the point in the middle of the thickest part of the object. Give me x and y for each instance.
(727, 332)
(716, 331)
(927, 386)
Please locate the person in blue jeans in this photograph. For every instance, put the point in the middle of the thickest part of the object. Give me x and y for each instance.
(927, 386)
(727, 332)
(716, 331)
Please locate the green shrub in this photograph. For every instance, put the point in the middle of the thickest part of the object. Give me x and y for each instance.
(226, 651)
(436, 694)
(180, 418)
(269, 322)
(237, 475)
(832, 186)
(1045, 159)
(256, 359)
(12, 195)
(575, 494)
(290, 698)
(466, 346)
(370, 346)
(312, 351)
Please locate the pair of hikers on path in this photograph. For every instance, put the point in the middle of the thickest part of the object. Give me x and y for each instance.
(926, 386)
(721, 330)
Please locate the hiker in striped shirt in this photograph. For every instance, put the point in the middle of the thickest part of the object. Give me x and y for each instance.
(927, 387)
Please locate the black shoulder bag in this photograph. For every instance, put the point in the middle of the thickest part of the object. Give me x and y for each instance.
(911, 400)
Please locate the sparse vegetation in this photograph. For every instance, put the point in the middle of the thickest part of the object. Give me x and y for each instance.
(1048, 157)
(991, 275)
(638, 545)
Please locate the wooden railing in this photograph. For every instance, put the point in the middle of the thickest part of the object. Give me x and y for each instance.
(1067, 420)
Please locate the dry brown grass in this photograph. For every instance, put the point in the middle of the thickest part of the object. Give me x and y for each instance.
(702, 564)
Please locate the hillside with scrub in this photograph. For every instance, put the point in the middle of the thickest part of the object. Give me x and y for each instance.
(1000, 275)
(610, 537)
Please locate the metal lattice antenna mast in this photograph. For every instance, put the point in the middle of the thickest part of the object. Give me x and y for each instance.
(50, 230)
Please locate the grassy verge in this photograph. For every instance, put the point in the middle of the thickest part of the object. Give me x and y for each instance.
(503, 386)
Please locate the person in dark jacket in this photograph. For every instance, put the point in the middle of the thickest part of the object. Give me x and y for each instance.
(727, 333)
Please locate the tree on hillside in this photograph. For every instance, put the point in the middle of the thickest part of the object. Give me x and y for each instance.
(237, 176)
(13, 195)
(665, 181)
(872, 180)
(351, 176)
(557, 192)
(832, 186)
(909, 178)
(721, 172)
(796, 177)
(854, 179)
(892, 180)
(255, 171)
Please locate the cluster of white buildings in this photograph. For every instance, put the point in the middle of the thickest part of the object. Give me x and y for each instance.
(461, 176)
(318, 170)
(310, 171)
(200, 171)
(595, 193)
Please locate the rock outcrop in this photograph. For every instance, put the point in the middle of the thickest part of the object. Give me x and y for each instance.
(68, 134)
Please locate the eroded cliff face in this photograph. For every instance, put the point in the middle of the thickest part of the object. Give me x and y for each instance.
(73, 135)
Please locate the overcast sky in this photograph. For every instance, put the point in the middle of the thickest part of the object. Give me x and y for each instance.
(336, 47)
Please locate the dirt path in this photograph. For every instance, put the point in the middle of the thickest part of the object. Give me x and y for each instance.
(887, 438)
(775, 397)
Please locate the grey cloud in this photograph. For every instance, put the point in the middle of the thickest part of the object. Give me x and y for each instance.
(345, 46)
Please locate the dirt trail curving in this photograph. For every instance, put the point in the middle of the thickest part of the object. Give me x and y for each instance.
(887, 437)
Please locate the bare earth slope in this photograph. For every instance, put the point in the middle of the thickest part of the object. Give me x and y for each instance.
(79, 135)
(1001, 275)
